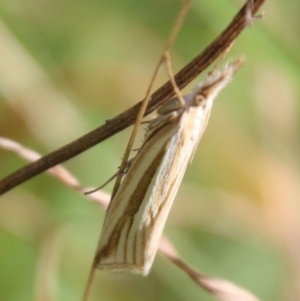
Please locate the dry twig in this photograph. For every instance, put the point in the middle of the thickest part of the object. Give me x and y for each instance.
(122, 121)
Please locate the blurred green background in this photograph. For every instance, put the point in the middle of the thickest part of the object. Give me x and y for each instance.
(66, 66)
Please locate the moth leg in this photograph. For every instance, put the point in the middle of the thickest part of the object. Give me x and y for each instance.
(146, 121)
(166, 54)
(172, 79)
(122, 173)
(160, 122)
(169, 106)
(103, 185)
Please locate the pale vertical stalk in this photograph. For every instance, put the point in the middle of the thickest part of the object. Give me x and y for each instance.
(178, 23)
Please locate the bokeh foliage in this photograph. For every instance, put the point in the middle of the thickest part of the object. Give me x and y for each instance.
(66, 66)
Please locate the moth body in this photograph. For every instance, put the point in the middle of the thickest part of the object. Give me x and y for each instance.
(136, 217)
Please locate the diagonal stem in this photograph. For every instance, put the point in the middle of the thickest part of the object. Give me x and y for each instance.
(243, 18)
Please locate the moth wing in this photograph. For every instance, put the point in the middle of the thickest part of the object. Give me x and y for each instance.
(136, 218)
(123, 237)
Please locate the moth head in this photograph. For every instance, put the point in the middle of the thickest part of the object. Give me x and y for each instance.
(216, 81)
(199, 100)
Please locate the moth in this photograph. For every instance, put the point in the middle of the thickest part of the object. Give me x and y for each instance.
(137, 214)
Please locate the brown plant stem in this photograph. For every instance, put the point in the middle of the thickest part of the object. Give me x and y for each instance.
(127, 118)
